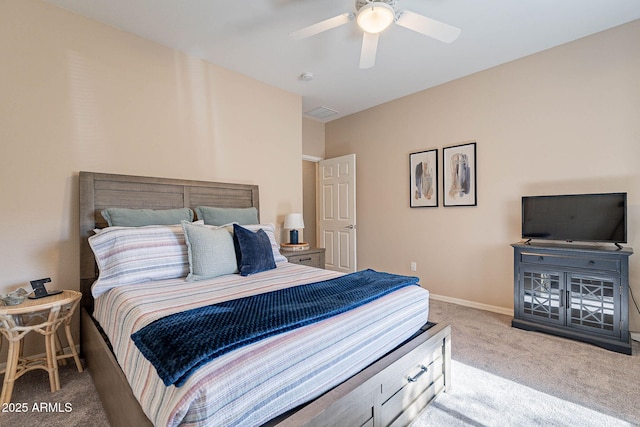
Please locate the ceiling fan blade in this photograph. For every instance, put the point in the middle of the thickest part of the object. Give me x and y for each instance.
(427, 26)
(321, 26)
(369, 49)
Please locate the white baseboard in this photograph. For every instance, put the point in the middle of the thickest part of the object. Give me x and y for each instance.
(635, 336)
(479, 306)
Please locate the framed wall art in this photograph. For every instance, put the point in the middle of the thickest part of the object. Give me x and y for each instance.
(423, 181)
(459, 175)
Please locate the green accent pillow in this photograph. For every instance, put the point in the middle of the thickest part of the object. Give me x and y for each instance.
(123, 217)
(211, 251)
(223, 216)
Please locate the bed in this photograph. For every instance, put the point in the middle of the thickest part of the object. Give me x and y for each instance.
(386, 378)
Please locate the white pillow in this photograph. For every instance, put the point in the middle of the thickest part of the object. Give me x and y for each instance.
(130, 255)
(270, 230)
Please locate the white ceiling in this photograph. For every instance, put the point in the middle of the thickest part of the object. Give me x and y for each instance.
(251, 37)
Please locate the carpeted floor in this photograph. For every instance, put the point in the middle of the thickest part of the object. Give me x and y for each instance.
(483, 399)
(75, 404)
(502, 376)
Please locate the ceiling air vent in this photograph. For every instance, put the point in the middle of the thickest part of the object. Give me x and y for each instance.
(321, 112)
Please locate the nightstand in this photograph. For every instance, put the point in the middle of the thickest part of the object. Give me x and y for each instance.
(43, 316)
(313, 257)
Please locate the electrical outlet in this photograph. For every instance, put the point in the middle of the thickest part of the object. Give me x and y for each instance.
(414, 266)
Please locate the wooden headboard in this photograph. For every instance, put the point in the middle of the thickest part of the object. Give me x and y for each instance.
(99, 191)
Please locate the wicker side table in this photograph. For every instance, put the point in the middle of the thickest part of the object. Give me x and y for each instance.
(44, 316)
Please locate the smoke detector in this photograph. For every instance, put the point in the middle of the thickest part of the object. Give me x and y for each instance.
(306, 76)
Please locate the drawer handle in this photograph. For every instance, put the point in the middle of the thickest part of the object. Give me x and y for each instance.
(592, 262)
(414, 378)
(540, 258)
(304, 259)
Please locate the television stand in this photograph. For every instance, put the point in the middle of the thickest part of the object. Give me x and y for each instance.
(575, 292)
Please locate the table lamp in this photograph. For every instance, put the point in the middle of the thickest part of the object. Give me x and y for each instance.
(293, 222)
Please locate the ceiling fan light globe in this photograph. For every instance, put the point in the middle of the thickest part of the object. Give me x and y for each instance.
(375, 17)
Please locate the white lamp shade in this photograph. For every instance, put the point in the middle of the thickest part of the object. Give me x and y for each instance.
(293, 221)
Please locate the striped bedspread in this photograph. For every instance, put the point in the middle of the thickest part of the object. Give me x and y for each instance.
(253, 384)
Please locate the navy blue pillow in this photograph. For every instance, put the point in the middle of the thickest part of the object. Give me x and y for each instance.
(253, 250)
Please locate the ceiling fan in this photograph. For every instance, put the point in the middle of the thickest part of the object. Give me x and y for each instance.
(373, 17)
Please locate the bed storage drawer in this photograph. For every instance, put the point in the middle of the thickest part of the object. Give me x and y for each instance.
(412, 382)
(356, 409)
(382, 395)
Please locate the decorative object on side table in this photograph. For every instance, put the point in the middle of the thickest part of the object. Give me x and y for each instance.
(293, 222)
(44, 316)
(312, 257)
(294, 246)
(14, 297)
(39, 290)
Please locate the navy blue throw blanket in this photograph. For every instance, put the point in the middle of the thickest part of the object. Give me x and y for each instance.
(178, 344)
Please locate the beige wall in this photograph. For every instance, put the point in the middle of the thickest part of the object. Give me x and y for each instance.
(562, 121)
(79, 95)
(313, 135)
(309, 182)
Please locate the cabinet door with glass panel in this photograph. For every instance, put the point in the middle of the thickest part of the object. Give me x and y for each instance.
(542, 295)
(594, 303)
(587, 302)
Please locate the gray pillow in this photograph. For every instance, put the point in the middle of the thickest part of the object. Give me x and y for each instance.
(222, 216)
(211, 251)
(124, 217)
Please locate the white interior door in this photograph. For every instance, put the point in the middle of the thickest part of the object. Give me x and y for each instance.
(337, 212)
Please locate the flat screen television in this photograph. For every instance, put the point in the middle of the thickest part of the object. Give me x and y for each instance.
(576, 217)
